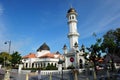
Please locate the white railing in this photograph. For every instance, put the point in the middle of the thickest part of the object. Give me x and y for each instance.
(44, 72)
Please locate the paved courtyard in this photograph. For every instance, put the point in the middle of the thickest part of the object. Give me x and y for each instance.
(66, 76)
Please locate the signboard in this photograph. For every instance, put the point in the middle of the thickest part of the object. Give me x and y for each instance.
(71, 59)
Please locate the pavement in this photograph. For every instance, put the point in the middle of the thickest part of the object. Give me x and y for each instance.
(33, 76)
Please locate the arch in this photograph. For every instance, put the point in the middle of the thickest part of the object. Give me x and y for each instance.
(55, 64)
(51, 64)
(32, 65)
(48, 64)
(26, 65)
(81, 63)
(72, 17)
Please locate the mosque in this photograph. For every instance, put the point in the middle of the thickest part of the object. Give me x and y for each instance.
(72, 56)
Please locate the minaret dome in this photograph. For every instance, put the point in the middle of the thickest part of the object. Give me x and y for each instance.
(71, 10)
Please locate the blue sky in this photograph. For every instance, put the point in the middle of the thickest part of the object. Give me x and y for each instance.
(30, 23)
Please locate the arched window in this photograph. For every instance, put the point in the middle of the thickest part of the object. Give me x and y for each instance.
(48, 64)
(81, 63)
(32, 65)
(26, 64)
(55, 64)
(72, 17)
(51, 64)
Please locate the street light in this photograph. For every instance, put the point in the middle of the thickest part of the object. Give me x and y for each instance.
(9, 43)
(4, 62)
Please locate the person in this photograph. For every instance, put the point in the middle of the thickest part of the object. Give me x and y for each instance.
(39, 74)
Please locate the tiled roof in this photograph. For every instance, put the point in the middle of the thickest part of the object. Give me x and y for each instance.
(31, 55)
(48, 55)
(101, 60)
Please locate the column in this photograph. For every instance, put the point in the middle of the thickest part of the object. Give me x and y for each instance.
(24, 65)
(28, 65)
(34, 65)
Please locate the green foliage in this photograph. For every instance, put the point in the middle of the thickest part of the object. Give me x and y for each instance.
(51, 67)
(16, 59)
(71, 67)
(95, 50)
(111, 42)
(5, 58)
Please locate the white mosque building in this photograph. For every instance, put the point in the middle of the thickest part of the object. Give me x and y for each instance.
(42, 58)
(73, 56)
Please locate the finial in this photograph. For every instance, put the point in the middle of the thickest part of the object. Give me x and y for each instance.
(71, 5)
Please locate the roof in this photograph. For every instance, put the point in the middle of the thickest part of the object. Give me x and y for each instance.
(44, 46)
(115, 58)
(71, 10)
(31, 55)
(48, 55)
(51, 55)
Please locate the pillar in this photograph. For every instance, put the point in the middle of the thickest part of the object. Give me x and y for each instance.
(28, 65)
(20, 68)
(34, 65)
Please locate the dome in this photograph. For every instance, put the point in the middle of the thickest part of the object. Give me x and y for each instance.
(71, 10)
(44, 46)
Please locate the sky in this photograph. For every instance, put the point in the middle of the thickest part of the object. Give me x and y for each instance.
(30, 23)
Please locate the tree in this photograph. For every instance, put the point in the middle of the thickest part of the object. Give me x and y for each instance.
(5, 58)
(94, 51)
(16, 58)
(111, 44)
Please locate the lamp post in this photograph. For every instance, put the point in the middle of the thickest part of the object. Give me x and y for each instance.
(9, 46)
(4, 62)
(9, 43)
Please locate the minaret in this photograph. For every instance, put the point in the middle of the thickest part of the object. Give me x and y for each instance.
(72, 24)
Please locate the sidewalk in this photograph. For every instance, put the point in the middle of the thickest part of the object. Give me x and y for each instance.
(16, 76)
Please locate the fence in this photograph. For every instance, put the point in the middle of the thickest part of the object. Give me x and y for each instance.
(48, 75)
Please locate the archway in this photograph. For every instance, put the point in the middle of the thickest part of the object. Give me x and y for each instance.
(81, 63)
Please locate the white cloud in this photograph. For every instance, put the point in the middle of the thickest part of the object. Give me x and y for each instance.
(2, 30)
(102, 18)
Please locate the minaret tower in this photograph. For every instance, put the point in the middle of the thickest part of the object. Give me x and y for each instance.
(72, 24)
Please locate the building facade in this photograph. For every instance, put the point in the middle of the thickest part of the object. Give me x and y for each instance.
(43, 57)
(73, 56)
